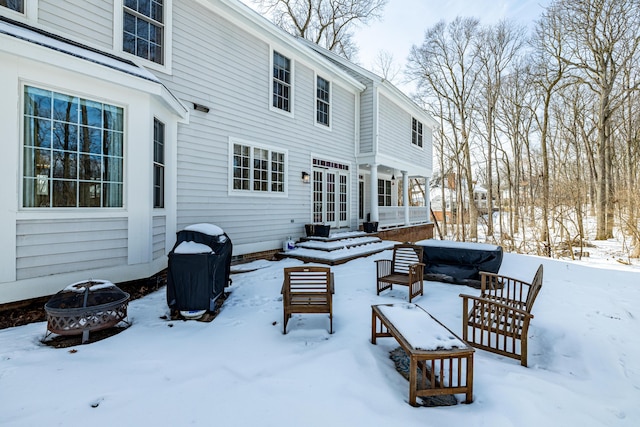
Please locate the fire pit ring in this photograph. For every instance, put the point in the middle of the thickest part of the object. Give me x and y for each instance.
(86, 306)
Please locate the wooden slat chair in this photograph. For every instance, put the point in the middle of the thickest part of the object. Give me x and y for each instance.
(307, 290)
(498, 320)
(406, 268)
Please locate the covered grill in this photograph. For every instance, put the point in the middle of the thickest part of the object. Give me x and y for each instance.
(199, 268)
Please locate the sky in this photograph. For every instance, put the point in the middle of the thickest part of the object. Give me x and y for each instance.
(404, 22)
(241, 370)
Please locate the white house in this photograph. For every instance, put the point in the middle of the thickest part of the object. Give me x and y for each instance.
(126, 120)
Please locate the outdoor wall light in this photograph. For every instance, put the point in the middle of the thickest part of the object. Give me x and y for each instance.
(305, 177)
(200, 107)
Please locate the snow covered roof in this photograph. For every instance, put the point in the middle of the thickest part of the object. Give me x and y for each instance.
(43, 38)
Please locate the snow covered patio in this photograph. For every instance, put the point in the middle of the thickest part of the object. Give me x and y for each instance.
(240, 370)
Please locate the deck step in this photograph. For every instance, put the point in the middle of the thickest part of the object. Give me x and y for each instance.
(337, 251)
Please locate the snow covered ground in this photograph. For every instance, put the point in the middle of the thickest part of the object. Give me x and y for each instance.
(240, 370)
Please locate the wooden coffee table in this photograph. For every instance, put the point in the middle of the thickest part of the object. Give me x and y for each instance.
(445, 360)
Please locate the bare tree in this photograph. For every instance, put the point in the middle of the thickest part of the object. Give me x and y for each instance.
(328, 23)
(385, 66)
(446, 66)
(498, 46)
(601, 41)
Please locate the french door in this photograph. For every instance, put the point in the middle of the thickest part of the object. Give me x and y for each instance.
(330, 197)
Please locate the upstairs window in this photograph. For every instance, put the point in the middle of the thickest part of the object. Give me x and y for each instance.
(143, 29)
(17, 5)
(73, 151)
(416, 132)
(281, 82)
(322, 101)
(158, 164)
(258, 169)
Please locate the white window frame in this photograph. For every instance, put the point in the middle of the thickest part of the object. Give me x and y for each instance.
(76, 208)
(387, 197)
(30, 12)
(317, 100)
(159, 164)
(283, 53)
(252, 149)
(118, 30)
(417, 134)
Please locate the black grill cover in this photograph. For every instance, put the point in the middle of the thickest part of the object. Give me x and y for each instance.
(459, 262)
(195, 281)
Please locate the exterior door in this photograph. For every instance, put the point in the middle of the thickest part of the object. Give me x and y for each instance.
(331, 197)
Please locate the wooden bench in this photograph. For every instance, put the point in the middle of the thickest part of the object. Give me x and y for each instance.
(444, 360)
(307, 290)
(405, 268)
(498, 319)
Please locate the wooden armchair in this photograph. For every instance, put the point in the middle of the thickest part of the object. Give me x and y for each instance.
(307, 290)
(406, 268)
(498, 320)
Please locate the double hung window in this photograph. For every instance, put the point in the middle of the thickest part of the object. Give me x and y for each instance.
(322, 101)
(17, 5)
(158, 164)
(416, 132)
(384, 192)
(281, 82)
(143, 29)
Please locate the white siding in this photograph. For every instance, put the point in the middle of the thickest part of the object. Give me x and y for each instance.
(46, 247)
(90, 20)
(219, 65)
(159, 236)
(366, 121)
(395, 135)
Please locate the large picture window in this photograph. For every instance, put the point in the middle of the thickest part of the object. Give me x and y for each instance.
(73, 151)
(258, 169)
(143, 29)
(17, 5)
(281, 82)
(158, 164)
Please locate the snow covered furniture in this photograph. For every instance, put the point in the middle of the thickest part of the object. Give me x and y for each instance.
(444, 360)
(498, 320)
(459, 262)
(405, 268)
(307, 290)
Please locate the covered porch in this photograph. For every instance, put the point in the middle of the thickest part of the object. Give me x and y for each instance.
(392, 197)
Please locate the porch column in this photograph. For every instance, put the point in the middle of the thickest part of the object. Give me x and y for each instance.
(427, 200)
(373, 208)
(405, 196)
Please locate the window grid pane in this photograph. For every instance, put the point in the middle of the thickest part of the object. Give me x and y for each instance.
(281, 82)
(17, 5)
(65, 161)
(322, 101)
(143, 29)
(258, 169)
(158, 164)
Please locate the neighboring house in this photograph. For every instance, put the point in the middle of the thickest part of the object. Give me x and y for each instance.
(124, 121)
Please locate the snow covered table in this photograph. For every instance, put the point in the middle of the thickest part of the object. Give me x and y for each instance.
(444, 360)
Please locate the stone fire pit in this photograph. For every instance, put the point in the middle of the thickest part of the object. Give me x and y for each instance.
(86, 306)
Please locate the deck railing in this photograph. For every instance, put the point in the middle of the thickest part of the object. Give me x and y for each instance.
(393, 216)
